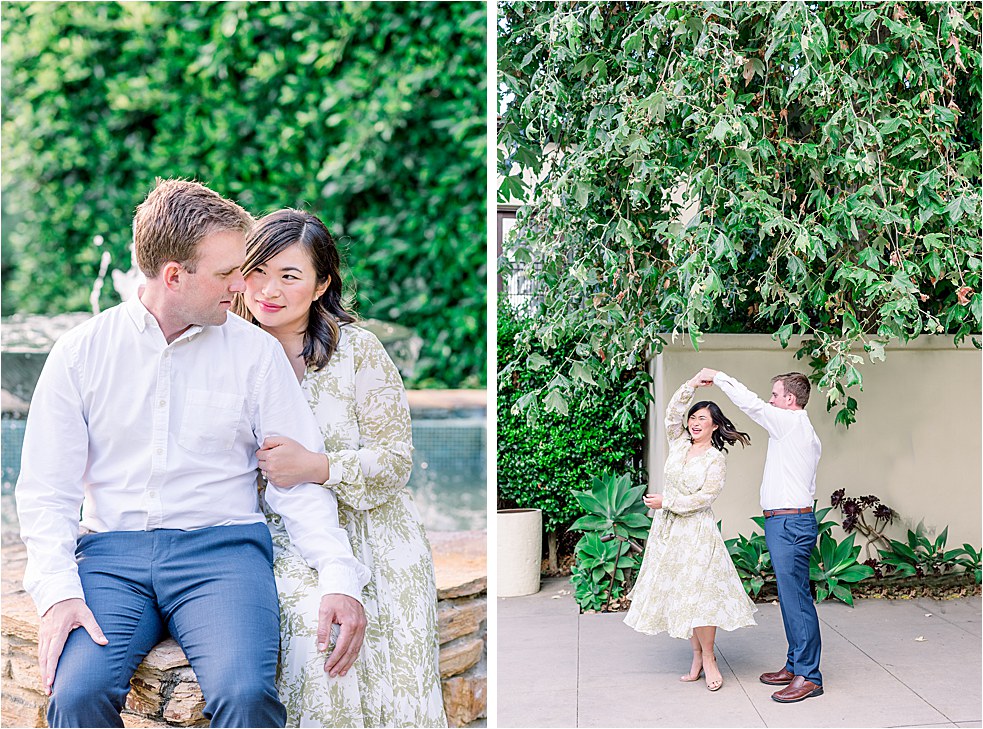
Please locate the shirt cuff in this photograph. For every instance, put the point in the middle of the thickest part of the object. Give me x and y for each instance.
(342, 581)
(63, 586)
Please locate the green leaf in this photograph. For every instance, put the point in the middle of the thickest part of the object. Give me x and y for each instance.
(536, 361)
(855, 573)
(582, 373)
(842, 592)
(955, 208)
(853, 377)
(783, 334)
(555, 402)
(720, 130)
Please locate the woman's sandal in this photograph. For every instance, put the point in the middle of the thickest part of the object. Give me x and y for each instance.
(687, 679)
(717, 686)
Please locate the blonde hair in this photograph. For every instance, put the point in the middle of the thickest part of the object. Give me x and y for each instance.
(173, 220)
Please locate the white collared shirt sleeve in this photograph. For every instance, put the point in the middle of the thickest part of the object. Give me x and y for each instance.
(776, 421)
(50, 490)
(309, 511)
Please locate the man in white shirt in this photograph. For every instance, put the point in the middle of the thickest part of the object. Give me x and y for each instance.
(148, 417)
(788, 488)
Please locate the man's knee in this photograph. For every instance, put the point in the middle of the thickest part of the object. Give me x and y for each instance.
(244, 700)
(85, 698)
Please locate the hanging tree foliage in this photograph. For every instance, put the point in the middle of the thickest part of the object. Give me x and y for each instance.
(831, 150)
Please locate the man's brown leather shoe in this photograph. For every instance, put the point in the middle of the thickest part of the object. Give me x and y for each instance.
(778, 678)
(798, 690)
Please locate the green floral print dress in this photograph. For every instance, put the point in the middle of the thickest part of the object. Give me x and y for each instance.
(360, 403)
(687, 578)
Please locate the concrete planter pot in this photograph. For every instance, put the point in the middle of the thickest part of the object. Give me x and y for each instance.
(520, 549)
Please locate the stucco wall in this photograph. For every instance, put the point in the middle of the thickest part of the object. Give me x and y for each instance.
(916, 443)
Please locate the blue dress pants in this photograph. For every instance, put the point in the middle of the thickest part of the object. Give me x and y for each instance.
(791, 539)
(211, 589)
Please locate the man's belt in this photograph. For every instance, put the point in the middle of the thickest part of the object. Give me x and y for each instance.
(779, 512)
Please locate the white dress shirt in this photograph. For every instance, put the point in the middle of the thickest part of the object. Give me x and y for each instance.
(789, 480)
(144, 435)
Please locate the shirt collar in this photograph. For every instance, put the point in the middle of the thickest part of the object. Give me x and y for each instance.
(139, 313)
(143, 319)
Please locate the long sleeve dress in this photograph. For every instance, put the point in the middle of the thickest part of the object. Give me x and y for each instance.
(687, 578)
(361, 405)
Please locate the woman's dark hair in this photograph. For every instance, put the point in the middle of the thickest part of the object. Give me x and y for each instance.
(725, 432)
(278, 231)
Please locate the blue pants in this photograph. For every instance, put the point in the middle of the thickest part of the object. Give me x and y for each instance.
(211, 589)
(791, 539)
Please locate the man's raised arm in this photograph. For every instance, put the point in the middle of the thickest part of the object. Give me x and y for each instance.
(776, 421)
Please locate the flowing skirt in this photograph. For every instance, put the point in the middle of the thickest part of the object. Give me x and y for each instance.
(687, 579)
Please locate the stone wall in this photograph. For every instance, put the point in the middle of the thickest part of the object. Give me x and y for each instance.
(164, 691)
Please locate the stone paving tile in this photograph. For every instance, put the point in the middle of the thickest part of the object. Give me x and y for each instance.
(671, 704)
(536, 708)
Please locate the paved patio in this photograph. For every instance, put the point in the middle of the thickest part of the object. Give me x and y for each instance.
(886, 663)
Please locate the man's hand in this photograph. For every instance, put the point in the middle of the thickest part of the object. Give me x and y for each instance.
(705, 376)
(348, 613)
(653, 501)
(60, 620)
(285, 462)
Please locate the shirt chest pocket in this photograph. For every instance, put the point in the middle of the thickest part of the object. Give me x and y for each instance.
(210, 421)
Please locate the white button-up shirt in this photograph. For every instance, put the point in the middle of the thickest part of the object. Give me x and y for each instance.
(144, 435)
(789, 480)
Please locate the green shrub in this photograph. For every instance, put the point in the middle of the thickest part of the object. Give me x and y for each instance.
(371, 115)
(544, 456)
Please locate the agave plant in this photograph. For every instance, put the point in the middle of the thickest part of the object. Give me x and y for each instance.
(833, 566)
(971, 561)
(614, 507)
(752, 560)
(616, 518)
(599, 574)
(920, 556)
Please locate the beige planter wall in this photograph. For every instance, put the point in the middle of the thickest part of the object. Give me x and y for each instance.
(916, 443)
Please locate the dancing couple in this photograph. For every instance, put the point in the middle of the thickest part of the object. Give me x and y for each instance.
(687, 585)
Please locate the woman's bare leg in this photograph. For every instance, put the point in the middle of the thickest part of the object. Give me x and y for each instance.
(697, 667)
(706, 634)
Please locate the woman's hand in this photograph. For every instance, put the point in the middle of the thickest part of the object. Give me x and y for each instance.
(695, 381)
(285, 462)
(653, 501)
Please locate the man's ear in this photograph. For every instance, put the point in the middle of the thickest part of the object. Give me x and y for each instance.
(171, 274)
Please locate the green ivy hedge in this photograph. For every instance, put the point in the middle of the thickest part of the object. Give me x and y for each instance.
(544, 456)
(372, 115)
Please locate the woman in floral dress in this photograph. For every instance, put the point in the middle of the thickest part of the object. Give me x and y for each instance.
(293, 291)
(687, 585)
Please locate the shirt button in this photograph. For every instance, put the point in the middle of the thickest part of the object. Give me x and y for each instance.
(160, 451)
(162, 403)
(152, 494)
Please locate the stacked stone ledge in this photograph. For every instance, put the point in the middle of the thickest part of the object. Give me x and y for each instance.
(164, 691)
